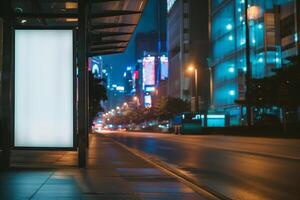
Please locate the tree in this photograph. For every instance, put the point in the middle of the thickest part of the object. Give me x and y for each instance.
(281, 90)
(97, 94)
(166, 108)
(169, 107)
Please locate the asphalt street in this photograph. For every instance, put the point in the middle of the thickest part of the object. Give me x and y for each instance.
(237, 167)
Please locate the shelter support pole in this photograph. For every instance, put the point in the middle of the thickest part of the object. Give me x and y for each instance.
(6, 107)
(83, 80)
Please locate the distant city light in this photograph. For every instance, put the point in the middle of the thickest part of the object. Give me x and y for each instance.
(230, 37)
(260, 26)
(149, 88)
(95, 69)
(120, 88)
(260, 60)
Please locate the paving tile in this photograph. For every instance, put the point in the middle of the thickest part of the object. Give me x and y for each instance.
(160, 187)
(110, 197)
(161, 196)
(55, 197)
(112, 174)
(139, 171)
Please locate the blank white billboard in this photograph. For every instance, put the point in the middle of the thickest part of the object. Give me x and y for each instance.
(43, 88)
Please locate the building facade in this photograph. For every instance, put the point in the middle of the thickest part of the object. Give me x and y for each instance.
(273, 32)
(151, 56)
(188, 44)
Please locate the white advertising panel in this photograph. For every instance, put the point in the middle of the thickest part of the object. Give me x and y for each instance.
(43, 88)
(148, 101)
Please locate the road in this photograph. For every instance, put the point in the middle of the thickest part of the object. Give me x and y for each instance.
(237, 167)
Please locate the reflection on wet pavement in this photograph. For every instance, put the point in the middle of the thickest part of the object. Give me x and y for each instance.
(246, 172)
(112, 173)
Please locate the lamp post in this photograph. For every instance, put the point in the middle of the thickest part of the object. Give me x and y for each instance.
(195, 71)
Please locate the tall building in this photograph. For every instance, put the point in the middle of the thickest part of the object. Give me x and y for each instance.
(128, 82)
(151, 48)
(107, 77)
(273, 32)
(149, 43)
(188, 44)
(116, 96)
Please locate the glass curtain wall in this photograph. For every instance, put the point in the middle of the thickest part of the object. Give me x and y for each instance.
(228, 47)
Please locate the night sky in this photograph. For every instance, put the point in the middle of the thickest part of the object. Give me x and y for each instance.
(121, 61)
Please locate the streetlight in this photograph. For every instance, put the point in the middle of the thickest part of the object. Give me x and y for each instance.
(251, 13)
(194, 70)
(136, 99)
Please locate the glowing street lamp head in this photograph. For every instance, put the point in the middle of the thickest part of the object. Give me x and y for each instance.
(135, 98)
(191, 68)
(118, 108)
(254, 12)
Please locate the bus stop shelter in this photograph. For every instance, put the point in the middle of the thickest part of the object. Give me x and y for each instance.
(100, 27)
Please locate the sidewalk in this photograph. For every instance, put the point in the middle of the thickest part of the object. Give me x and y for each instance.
(113, 173)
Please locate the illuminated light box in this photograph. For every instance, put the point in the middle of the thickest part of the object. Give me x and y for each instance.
(43, 115)
(149, 71)
(164, 68)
